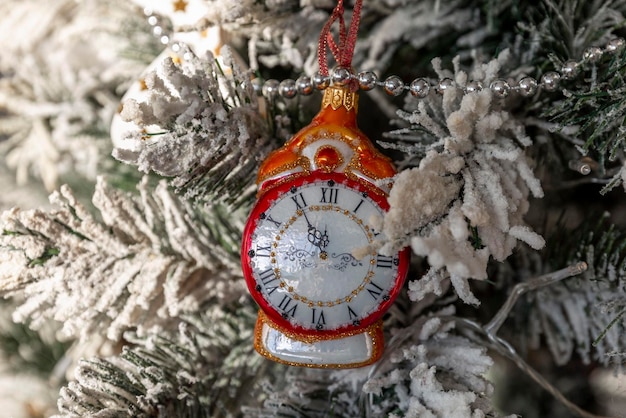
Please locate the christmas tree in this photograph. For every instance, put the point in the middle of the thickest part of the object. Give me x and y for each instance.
(146, 122)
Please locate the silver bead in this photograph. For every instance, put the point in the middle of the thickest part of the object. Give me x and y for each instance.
(592, 54)
(367, 80)
(165, 39)
(569, 69)
(341, 76)
(157, 30)
(257, 86)
(320, 81)
(152, 20)
(419, 88)
(550, 80)
(615, 44)
(304, 85)
(527, 86)
(270, 88)
(287, 89)
(473, 86)
(500, 88)
(444, 84)
(393, 85)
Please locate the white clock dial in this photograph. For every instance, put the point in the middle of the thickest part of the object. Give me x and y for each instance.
(310, 260)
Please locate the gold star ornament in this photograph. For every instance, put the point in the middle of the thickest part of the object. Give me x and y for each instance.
(180, 5)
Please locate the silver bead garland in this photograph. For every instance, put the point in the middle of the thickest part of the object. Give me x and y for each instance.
(420, 87)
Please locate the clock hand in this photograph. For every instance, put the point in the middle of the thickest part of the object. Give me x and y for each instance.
(316, 237)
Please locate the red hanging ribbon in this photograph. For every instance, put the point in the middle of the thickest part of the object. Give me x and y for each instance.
(344, 50)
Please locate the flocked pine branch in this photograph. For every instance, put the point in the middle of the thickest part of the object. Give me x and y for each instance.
(207, 367)
(563, 30)
(584, 315)
(596, 108)
(150, 259)
(584, 117)
(211, 135)
(463, 202)
(436, 374)
(58, 91)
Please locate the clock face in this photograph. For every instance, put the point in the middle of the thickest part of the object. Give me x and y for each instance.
(308, 255)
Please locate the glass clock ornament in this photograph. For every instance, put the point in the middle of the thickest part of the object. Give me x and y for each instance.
(309, 248)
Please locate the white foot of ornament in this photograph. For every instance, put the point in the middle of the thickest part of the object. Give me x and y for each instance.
(339, 351)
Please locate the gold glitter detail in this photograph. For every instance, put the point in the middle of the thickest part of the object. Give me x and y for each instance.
(348, 137)
(302, 162)
(375, 331)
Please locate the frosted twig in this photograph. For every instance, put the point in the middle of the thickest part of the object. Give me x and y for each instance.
(504, 348)
(519, 289)
(575, 183)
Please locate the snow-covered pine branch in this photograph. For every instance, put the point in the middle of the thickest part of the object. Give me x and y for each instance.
(464, 203)
(151, 259)
(58, 88)
(211, 135)
(584, 315)
(206, 366)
